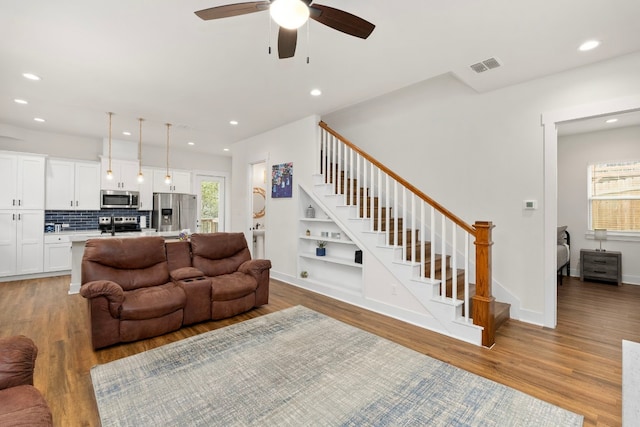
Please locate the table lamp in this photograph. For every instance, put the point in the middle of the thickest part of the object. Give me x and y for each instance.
(600, 234)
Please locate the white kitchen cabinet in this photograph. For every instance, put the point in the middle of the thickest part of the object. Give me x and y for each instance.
(180, 181)
(146, 190)
(21, 241)
(125, 175)
(8, 233)
(72, 185)
(57, 252)
(22, 178)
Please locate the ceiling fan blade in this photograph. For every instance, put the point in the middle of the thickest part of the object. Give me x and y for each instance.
(233, 10)
(341, 21)
(287, 40)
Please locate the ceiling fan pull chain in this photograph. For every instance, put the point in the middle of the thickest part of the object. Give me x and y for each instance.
(269, 35)
(308, 43)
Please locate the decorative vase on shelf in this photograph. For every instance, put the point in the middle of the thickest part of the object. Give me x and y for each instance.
(308, 232)
(321, 251)
(311, 212)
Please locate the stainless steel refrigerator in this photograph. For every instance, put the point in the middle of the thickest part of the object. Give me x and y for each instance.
(174, 212)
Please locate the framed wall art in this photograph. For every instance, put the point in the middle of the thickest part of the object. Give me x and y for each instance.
(282, 180)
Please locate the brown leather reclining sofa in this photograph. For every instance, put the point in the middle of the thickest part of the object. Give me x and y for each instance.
(21, 404)
(143, 287)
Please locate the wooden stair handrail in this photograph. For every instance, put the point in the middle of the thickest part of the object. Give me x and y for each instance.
(444, 211)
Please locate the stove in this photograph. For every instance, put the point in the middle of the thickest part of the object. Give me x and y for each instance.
(118, 224)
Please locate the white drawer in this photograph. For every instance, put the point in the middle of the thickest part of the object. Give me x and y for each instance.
(56, 238)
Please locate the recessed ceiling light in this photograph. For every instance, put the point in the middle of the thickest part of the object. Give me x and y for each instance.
(38, 119)
(233, 122)
(191, 143)
(20, 101)
(316, 92)
(589, 45)
(225, 149)
(31, 76)
(611, 121)
(126, 132)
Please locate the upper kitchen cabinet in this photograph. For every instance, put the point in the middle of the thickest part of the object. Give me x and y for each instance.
(72, 185)
(22, 178)
(125, 175)
(180, 182)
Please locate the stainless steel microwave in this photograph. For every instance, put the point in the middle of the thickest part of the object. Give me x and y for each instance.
(119, 199)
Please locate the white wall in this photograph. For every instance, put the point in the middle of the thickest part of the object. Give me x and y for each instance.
(295, 143)
(575, 153)
(13, 138)
(481, 155)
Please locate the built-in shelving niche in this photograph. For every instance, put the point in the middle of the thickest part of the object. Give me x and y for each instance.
(337, 270)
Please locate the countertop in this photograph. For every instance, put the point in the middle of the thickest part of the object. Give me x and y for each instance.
(84, 235)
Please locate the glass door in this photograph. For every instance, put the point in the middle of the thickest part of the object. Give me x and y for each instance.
(210, 191)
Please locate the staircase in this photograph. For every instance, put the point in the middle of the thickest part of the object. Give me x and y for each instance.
(425, 246)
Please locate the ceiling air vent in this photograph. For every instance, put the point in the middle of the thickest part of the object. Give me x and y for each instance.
(487, 64)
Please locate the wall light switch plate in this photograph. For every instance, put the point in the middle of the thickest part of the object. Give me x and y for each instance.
(530, 204)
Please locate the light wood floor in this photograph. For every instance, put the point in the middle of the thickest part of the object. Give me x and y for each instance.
(576, 366)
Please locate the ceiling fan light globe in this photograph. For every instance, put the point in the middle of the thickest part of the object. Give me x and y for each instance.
(289, 14)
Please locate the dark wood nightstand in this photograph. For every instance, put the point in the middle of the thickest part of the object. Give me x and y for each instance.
(601, 265)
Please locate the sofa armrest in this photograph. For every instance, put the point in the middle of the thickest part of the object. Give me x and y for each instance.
(108, 289)
(185, 273)
(255, 267)
(17, 361)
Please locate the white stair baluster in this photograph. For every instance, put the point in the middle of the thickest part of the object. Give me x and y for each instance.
(432, 273)
(454, 264)
(466, 277)
(443, 254)
(422, 236)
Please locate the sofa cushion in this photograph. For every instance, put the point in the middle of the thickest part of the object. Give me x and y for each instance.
(148, 303)
(17, 361)
(132, 263)
(23, 406)
(232, 286)
(219, 253)
(185, 273)
(178, 255)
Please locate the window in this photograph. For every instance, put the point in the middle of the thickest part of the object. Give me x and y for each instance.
(614, 196)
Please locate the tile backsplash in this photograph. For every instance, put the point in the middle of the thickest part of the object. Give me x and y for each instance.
(88, 220)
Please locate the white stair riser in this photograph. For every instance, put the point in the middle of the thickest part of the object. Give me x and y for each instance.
(444, 310)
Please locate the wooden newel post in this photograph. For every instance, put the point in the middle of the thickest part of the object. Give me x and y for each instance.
(483, 312)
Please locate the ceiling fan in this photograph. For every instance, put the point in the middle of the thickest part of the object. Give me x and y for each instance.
(291, 15)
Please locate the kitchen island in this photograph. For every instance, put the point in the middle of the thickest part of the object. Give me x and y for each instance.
(79, 239)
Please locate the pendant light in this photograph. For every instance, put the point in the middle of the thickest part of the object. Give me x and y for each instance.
(109, 172)
(167, 178)
(140, 175)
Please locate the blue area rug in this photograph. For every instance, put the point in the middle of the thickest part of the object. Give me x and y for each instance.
(298, 367)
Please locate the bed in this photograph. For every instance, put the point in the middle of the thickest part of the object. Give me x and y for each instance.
(564, 251)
